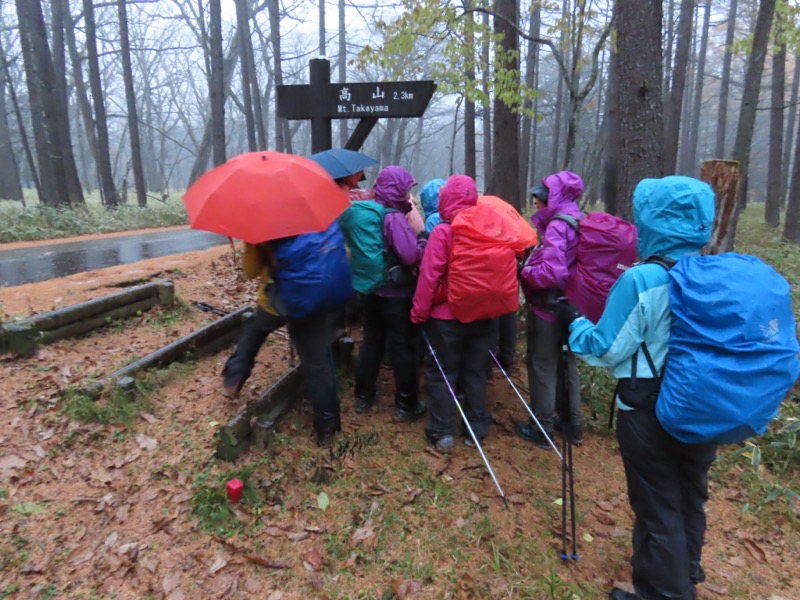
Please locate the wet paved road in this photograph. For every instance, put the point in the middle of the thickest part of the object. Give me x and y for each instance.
(39, 263)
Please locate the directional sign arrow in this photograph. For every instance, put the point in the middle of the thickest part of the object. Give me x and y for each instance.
(355, 100)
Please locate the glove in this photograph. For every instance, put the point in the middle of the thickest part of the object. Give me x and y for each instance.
(565, 312)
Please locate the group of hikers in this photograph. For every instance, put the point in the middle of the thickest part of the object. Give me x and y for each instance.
(446, 286)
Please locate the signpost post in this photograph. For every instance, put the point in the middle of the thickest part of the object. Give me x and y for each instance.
(322, 101)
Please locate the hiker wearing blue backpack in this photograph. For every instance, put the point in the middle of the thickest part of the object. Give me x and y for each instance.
(667, 479)
(544, 276)
(387, 306)
(429, 196)
(715, 317)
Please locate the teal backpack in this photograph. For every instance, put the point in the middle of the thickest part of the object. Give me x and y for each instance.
(362, 225)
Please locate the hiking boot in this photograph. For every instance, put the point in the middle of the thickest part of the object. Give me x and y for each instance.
(575, 434)
(402, 414)
(620, 594)
(232, 385)
(444, 445)
(326, 439)
(364, 404)
(532, 433)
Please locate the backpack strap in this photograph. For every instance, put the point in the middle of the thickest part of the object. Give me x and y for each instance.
(662, 261)
(569, 220)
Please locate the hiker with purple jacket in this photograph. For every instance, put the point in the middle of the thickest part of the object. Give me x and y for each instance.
(387, 311)
(544, 277)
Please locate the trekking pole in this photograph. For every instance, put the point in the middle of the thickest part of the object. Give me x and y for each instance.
(567, 473)
(464, 417)
(525, 404)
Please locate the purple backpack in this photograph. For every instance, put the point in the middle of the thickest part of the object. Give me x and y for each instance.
(606, 248)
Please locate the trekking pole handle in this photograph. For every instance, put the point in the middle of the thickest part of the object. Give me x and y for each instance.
(464, 417)
(525, 404)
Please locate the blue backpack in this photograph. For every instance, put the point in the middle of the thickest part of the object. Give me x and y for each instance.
(312, 274)
(733, 353)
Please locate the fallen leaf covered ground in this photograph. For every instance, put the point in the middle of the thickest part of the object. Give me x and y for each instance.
(138, 510)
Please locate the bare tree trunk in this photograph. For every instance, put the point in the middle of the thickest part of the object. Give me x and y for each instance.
(667, 56)
(26, 146)
(470, 166)
(10, 185)
(690, 160)
(506, 126)
(281, 133)
(789, 135)
(725, 82)
(204, 150)
(488, 163)
(343, 134)
(531, 66)
(673, 109)
(609, 192)
(110, 196)
(130, 97)
(641, 116)
(216, 81)
(45, 114)
(245, 59)
(59, 21)
(747, 116)
(791, 226)
(772, 203)
(322, 44)
(723, 177)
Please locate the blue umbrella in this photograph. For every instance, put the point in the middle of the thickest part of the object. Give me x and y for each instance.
(340, 162)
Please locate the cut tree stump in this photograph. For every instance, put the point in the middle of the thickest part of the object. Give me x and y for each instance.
(723, 177)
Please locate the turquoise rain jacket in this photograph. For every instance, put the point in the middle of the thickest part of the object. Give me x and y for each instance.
(673, 217)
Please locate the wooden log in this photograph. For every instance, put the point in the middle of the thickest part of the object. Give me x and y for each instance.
(723, 177)
(204, 341)
(162, 290)
(77, 328)
(233, 438)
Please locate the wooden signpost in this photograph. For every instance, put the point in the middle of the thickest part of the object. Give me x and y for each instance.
(321, 101)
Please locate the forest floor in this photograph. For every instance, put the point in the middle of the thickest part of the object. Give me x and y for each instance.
(97, 506)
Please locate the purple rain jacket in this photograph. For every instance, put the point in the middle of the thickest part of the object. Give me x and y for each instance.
(549, 265)
(391, 190)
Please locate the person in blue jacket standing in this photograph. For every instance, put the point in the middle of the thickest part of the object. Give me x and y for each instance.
(429, 195)
(667, 479)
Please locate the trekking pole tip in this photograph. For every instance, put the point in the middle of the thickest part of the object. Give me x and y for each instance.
(576, 556)
(564, 556)
(505, 502)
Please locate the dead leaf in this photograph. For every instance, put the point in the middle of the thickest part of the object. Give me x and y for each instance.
(736, 561)
(720, 590)
(222, 585)
(474, 497)
(606, 506)
(407, 588)
(299, 536)
(313, 558)
(145, 442)
(148, 417)
(516, 499)
(10, 464)
(460, 522)
(755, 550)
(121, 515)
(219, 563)
(170, 582)
(46, 434)
(276, 595)
(363, 533)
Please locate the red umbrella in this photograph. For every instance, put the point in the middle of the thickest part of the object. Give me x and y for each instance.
(261, 196)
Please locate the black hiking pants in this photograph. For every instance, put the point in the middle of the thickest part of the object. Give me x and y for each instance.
(387, 326)
(313, 336)
(255, 330)
(667, 490)
(462, 349)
